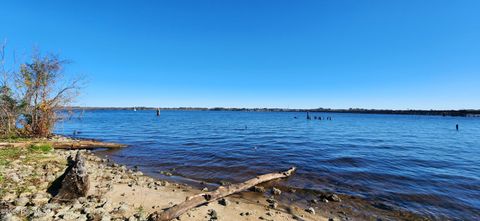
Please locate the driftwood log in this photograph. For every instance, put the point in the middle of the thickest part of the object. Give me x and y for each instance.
(85, 144)
(75, 183)
(220, 192)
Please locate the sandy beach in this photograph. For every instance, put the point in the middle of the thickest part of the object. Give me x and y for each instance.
(117, 193)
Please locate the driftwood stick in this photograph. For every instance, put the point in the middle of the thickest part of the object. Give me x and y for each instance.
(220, 192)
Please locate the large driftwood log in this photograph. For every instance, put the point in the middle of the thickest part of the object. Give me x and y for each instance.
(220, 192)
(85, 144)
(75, 184)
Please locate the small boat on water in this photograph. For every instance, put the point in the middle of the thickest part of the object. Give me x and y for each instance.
(134, 109)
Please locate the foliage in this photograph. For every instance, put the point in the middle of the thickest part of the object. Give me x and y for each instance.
(32, 95)
(41, 147)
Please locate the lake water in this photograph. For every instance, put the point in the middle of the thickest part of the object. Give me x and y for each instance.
(416, 163)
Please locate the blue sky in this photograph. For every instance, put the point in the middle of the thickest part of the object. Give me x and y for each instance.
(294, 54)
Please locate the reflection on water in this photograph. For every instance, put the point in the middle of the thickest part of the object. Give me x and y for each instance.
(418, 163)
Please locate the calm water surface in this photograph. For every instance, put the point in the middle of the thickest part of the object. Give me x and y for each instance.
(417, 163)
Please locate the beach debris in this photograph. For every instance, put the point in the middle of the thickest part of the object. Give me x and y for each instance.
(220, 192)
(75, 184)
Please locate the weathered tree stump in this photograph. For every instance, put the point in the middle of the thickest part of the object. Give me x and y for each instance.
(75, 183)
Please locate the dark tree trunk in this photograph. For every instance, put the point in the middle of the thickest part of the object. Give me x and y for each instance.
(75, 183)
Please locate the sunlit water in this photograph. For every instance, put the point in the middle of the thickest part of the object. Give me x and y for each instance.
(416, 163)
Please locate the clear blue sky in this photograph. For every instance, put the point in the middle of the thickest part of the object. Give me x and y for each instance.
(299, 54)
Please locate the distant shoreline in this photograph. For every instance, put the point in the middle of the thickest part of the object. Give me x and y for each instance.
(456, 113)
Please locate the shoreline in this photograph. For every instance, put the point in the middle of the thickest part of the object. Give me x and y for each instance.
(116, 193)
(118, 181)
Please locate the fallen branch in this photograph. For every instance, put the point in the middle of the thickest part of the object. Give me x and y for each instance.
(220, 192)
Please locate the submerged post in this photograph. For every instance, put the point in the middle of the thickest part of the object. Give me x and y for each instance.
(308, 116)
(158, 112)
(456, 126)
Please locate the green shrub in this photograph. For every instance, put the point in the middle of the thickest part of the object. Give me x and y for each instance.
(41, 147)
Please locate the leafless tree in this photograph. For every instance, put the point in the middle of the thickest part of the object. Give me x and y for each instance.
(10, 108)
(45, 91)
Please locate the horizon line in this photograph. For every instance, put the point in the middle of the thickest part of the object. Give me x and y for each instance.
(270, 108)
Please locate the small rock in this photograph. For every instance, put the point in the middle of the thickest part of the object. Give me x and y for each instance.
(273, 205)
(258, 189)
(224, 202)
(334, 198)
(276, 191)
(51, 206)
(8, 217)
(224, 183)
(213, 214)
(166, 173)
(106, 217)
(22, 201)
(310, 210)
(271, 200)
(14, 177)
(43, 215)
(122, 209)
(39, 201)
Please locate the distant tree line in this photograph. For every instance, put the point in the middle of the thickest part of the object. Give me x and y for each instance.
(32, 92)
(460, 113)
